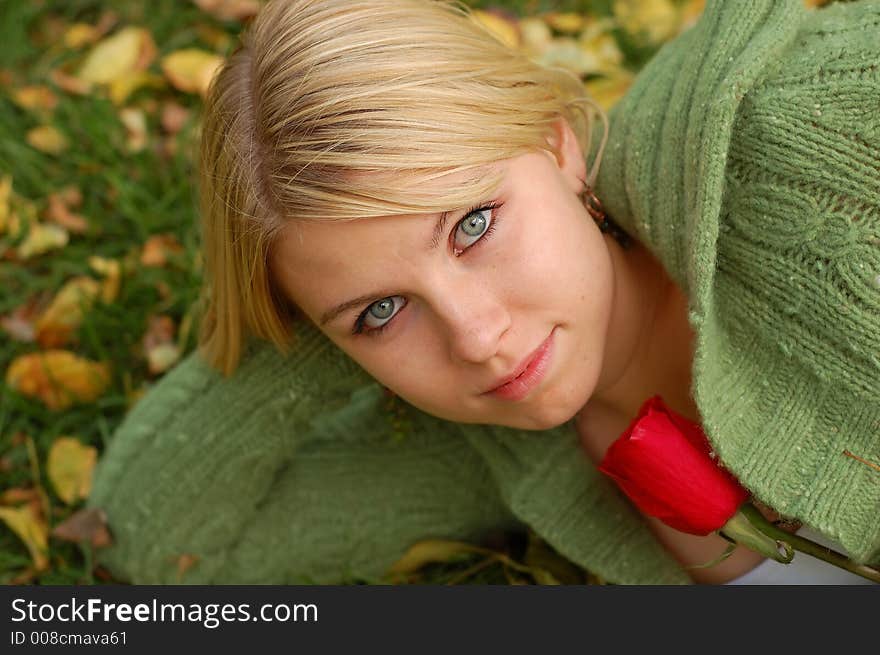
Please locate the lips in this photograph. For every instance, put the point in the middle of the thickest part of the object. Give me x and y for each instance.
(527, 375)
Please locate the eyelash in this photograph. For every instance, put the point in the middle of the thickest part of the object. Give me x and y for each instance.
(372, 332)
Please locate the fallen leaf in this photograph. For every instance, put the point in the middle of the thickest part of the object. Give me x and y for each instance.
(38, 97)
(69, 467)
(565, 22)
(536, 35)
(216, 38)
(19, 324)
(229, 9)
(5, 201)
(128, 51)
(606, 91)
(174, 117)
(32, 529)
(160, 347)
(87, 525)
(184, 563)
(41, 239)
(651, 21)
(111, 269)
(58, 378)
(122, 87)
(432, 551)
(504, 29)
(58, 211)
(79, 35)
(135, 122)
(48, 139)
(70, 83)
(158, 248)
(191, 70)
(19, 495)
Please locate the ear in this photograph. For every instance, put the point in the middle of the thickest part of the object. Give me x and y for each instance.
(566, 150)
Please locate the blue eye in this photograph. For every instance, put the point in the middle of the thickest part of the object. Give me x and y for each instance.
(478, 223)
(377, 315)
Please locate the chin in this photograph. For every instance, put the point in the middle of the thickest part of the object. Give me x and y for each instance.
(541, 418)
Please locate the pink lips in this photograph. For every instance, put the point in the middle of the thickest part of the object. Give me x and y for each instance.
(532, 373)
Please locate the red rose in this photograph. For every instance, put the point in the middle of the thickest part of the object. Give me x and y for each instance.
(662, 463)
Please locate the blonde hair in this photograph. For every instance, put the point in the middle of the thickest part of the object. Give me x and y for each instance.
(343, 109)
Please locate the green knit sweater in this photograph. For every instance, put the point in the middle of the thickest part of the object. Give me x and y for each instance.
(746, 158)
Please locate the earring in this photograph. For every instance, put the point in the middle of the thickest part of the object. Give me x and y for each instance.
(606, 224)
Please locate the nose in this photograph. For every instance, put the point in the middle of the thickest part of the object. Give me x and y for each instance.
(475, 318)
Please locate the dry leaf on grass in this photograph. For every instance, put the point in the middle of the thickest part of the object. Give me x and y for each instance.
(19, 324)
(191, 70)
(158, 248)
(124, 53)
(58, 378)
(160, 347)
(229, 9)
(58, 211)
(135, 122)
(27, 523)
(111, 269)
(64, 315)
(48, 139)
(41, 239)
(69, 467)
(85, 526)
(184, 563)
(38, 97)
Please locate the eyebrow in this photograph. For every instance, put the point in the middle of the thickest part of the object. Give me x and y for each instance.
(342, 307)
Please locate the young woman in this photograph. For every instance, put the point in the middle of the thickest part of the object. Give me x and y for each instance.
(391, 196)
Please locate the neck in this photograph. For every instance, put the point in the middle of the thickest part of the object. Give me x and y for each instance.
(650, 342)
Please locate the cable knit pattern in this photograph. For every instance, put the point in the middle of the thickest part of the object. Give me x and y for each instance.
(760, 193)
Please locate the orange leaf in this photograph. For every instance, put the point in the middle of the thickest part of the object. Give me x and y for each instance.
(158, 248)
(229, 9)
(70, 83)
(58, 378)
(161, 350)
(19, 324)
(174, 117)
(184, 563)
(35, 98)
(58, 212)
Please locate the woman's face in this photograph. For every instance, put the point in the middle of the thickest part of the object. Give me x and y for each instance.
(527, 284)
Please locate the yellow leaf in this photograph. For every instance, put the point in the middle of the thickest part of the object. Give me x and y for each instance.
(80, 34)
(58, 378)
(129, 50)
(124, 86)
(432, 551)
(502, 29)
(47, 138)
(567, 22)
(5, 196)
(69, 467)
(536, 35)
(606, 91)
(64, 314)
(31, 529)
(112, 271)
(135, 122)
(38, 97)
(653, 21)
(191, 70)
(41, 239)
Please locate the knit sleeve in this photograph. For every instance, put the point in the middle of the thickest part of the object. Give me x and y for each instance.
(286, 472)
